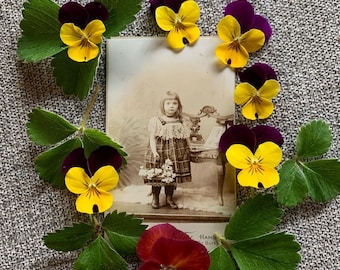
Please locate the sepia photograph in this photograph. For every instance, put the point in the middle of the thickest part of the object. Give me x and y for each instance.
(168, 110)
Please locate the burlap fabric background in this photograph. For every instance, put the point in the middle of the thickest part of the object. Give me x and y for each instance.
(304, 50)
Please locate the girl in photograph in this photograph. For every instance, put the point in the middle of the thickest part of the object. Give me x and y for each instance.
(168, 150)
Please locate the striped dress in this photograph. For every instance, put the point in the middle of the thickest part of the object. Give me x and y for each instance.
(171, 143)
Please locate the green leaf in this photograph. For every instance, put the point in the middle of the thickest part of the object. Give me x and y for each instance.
(93, 139)
(314, 139)
(323, 179)
(100, 256)
(292, 188)
(276, 251)
(70, 238)
(75, 78)
(221, 260)
(123, 231)
(256, 216)
(46, 128)
(122, 13)
(320, 179)
(48, 164)
(40, 31)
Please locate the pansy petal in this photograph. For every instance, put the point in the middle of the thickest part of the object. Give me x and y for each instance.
(150, 265)
(77, 181)
(94, 200)
(150, 236)
(264, 108)
(247, 178)
(269, 153)
(228, 29)
(71, 34)
(243, 11)
(83, 53)
(235, 57)
(94, 31)
(237, 134)
(180, 254)
(262, 24)
(165, 18)
(249, 110)
(257, 74)
(75, 159)
(269, 89)
(105, 178)
(269, 177)
(178, 38)
(73, 12)
(239, 156)
(243, 93)
(189, 12)
(104, 155)
(173, 4)
(252, 40)
(96, 10)
(264, 133)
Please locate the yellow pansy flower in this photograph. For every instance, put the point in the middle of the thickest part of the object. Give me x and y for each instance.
(82, 44)
(181, 26)
(94, 195)
(256, 103)
(256, 169)
(235, 51)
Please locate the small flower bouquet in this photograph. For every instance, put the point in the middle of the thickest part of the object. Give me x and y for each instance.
(163, 175)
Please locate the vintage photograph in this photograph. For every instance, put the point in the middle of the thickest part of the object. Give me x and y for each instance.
(168, 110)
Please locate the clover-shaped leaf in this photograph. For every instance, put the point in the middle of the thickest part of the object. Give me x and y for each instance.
(48, 164)
(123, 231)
(318, 178)
(70, 238)
(75, 78)
(40, 31)
(46, 128)
(98, 256)
(122, 13)
(250, 238)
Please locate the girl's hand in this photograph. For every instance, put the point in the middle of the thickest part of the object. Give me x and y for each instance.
(156, 155)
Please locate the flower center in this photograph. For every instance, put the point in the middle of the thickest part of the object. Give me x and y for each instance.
(255, 165)
(256, 99)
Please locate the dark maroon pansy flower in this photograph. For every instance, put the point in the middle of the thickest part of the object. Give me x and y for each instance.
(243, 12)
(250, 137)
(164, 246)
(104, 155)
(73, 12)
(173, 4)
(257, 74)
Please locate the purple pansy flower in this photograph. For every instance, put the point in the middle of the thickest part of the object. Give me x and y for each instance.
(73, 12)
(173, 4)
(244, 13)
(104, 155)
(257, 74)
(250, 137)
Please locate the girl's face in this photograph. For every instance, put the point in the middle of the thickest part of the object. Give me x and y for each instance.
(170, 107)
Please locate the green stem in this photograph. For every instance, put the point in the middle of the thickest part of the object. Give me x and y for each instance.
(88, 110)
(222, 241)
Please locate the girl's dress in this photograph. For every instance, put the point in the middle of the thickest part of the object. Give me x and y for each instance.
(171, 143)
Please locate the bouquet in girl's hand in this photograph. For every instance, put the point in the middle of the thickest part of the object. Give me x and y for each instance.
(165, 173)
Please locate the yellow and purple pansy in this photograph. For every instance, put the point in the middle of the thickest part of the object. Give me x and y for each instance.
(255, 151)
(181, 26)
(93, 178)
(258, 87)
(82, 29)
(243, 32)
